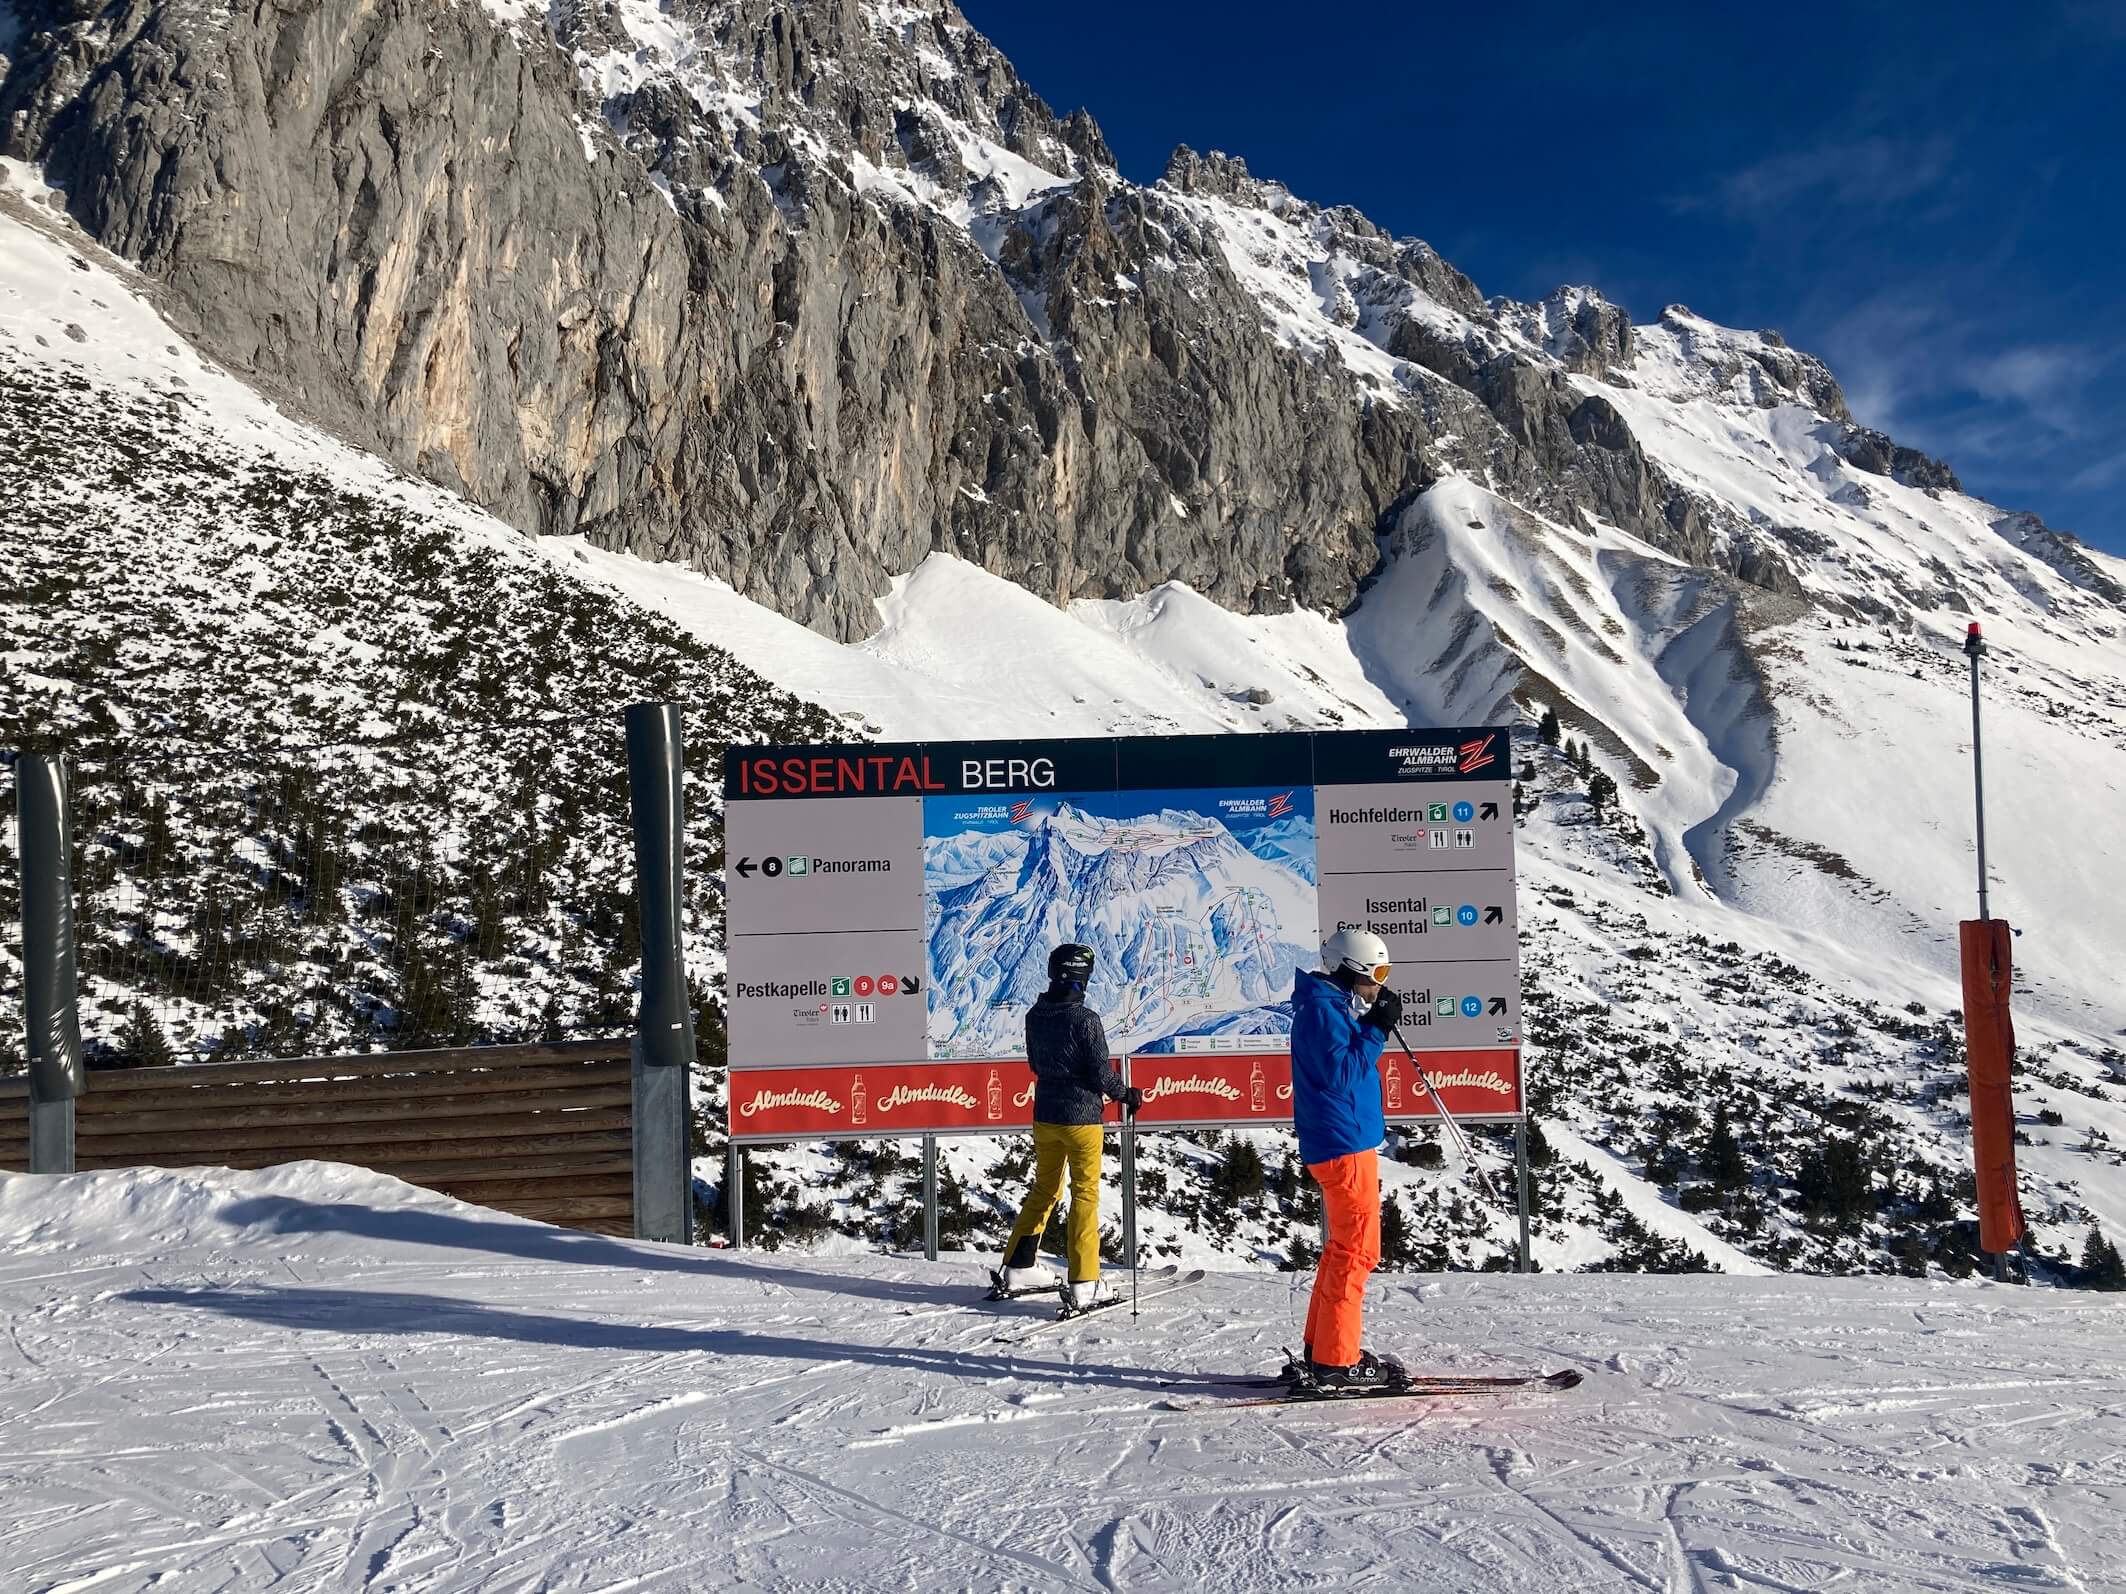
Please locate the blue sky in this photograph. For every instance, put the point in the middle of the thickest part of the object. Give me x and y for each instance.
(1928, 196)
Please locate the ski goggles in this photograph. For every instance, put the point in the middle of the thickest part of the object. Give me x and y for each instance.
(1378, 974)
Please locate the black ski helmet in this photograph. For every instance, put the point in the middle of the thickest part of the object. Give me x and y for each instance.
(1070, 961)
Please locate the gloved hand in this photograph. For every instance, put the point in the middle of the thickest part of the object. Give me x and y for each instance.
(1132, 1099)
(1385, 1013)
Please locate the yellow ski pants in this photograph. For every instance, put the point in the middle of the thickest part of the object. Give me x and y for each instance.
(1055, 1148)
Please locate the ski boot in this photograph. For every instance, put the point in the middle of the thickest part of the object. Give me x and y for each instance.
(1008, 1283)
(1087, 1294)
(1368, 1372)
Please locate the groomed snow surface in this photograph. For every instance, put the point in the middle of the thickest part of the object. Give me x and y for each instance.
(318, 1378)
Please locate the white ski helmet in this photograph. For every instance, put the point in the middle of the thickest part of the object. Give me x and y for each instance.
(1359, 953)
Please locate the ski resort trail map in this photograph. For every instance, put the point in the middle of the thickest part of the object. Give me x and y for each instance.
(1198, 905)
(318, 1379)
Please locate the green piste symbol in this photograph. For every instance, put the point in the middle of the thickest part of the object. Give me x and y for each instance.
(838, 988)
(1437, 814)
(797, 864)
(1442, 915)
(1444, 1008)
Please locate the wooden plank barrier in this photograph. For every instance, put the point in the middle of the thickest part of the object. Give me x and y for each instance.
(14, 1122)
(543, 1131)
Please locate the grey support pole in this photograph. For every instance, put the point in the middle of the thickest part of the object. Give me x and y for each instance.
(734, 1201)
(663, 1049)
(48, 994)
(1520, 1168)
(1975, 649)
(930, 1198)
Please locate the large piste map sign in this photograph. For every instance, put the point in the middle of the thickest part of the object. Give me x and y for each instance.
(894, 905)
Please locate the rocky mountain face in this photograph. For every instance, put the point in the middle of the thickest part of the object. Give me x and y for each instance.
(802, 292)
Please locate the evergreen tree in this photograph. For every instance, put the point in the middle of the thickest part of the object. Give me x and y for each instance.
(1601, 790)
(1397, 1253)
(1541, 1154)
(143, 1042)
(487, 929)
(158, 843)
(2102, 1266)
(1723, 1162)
(1547, 729)
(1239, 1174)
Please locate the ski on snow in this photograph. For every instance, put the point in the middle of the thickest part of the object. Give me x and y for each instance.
(1417, 1387)
(997, 1292)
(1180, 1281)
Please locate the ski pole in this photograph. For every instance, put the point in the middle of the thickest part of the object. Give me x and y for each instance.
(1129, 1200)
(1461, 1141)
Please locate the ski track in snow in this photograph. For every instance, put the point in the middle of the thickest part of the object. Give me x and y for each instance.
(316, 1404)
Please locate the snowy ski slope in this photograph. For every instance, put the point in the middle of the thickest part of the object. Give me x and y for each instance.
(317, 1379)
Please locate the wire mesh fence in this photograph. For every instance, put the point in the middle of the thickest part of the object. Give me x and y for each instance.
(364, 896)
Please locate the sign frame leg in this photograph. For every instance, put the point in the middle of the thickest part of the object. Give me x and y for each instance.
(930, 1198)
(1520, 1170)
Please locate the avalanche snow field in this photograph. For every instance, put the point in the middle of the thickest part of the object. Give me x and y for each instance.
(318, 1378)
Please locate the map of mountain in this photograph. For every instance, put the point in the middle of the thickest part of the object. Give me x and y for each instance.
(1193, 922)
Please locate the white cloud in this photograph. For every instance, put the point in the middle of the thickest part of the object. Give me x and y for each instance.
(1859, 171)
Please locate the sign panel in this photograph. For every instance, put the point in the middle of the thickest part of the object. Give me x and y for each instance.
(1182, 1090)
(897, 904)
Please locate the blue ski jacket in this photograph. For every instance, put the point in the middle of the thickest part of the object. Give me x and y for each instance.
(1335, 1073)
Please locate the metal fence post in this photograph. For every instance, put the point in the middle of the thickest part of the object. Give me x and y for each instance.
(48, 991)
(663, 1051)
(930, 1198)
(1520, 1168)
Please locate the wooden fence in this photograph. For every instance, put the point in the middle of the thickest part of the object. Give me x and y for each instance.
(542, 1131)
(14, 1122)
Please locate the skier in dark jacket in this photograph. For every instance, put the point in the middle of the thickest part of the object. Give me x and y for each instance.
(1074, 1079)
(1341, 1020)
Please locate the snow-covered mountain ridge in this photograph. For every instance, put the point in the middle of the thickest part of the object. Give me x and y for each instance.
(1714, 1085)
(800, 293)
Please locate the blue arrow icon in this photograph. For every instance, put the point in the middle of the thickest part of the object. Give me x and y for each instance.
(1472, 1007)
(1465, 914)
(1464, 812)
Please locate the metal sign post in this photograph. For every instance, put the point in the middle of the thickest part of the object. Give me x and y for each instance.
(663, 1051)
(56, 1069)
(734, 1199)
(1520, 1168)
(930, 1198)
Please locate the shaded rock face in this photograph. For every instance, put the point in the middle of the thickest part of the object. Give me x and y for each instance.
(800, 292)
(1869, 450)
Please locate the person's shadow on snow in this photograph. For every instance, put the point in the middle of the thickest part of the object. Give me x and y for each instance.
(502, 1235)
(395, 1312)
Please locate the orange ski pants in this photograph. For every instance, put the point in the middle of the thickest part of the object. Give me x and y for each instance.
(1350, 1197)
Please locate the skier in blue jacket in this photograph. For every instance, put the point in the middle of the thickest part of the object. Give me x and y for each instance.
(1341, 1020)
